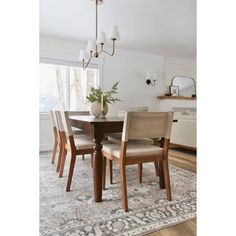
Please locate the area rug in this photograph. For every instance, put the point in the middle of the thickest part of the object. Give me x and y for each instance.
(75, 213)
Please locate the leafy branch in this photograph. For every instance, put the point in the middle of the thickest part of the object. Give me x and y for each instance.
(108, 96)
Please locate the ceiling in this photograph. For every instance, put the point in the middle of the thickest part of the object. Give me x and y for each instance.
(164, 27)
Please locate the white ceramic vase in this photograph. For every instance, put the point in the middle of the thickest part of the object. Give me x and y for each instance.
(96, 109)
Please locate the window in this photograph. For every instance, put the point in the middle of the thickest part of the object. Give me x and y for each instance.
(64, 87)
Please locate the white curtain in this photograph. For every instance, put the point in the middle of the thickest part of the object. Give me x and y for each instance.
(90, 83)
(78, 90)
(60, 87)
(80, 83)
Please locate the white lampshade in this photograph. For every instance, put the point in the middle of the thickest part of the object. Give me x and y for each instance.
(83, 55)
(91, 47)
(114, 33)
(101, 38)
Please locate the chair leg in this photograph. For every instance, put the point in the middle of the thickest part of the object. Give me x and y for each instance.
(167, 179)
(72, 165)
(54, 151)
(140, 172)
(63, 160)
(92, 160)
(123, 188)
(111, 171)
(104, 173)
(59, 157)
(156, 168)
(83, 157)
(161, 175)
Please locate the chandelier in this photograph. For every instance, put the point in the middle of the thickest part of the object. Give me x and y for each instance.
(95, 48)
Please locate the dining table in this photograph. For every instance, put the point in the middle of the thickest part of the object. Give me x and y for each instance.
(97, 128)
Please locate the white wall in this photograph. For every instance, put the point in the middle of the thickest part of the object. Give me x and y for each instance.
(177, 67)
(129, 68)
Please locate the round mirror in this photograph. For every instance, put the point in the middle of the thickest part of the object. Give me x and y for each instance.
(186, 86)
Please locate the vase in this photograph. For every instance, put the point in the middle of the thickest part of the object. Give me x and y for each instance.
(96, 109)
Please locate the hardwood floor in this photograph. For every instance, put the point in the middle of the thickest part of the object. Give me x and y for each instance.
(185, 229)
(186, 161)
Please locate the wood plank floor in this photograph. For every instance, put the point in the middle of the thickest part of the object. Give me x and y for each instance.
(185, 161)
(185, 229)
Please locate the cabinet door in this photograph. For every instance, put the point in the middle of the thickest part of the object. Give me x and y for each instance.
(184, 133)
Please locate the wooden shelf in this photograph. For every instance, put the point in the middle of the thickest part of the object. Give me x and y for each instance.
(177, 97)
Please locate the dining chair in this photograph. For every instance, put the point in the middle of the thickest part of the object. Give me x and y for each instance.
(79, 144)
(75, 131)
(116, 138)
(139, 125)
(56, 134)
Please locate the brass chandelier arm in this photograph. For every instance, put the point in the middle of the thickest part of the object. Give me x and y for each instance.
(96, 48)
(91, 56)
(101, 50)
(113, 51)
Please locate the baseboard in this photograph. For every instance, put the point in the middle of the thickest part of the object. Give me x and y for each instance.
(183, 146)
(46, 147)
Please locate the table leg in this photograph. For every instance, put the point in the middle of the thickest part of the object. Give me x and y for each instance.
(97, 170)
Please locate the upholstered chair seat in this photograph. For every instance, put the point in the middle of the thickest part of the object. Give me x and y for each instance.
(77, 131)
(134, 148)
(116, 138)
(82, 141)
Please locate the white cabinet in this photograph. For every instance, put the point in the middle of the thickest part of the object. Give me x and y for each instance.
(184, 132)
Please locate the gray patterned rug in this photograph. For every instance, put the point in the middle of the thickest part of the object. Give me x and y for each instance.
(76, 213)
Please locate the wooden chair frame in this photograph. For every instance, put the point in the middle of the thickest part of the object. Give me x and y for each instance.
(56, 142)
(161, 165)
(156, 142)
(162, 160)
(57, 114)
(74, 151)
(56, 135)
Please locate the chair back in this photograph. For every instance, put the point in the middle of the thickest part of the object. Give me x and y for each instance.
(139, 125)
(61, 126)
(54, 115)
(53, 119)
(65, 121)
